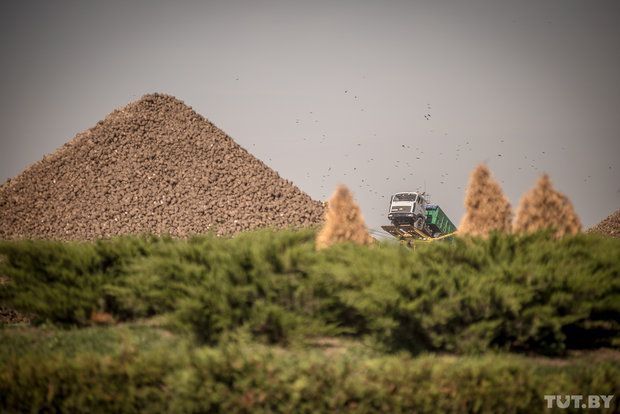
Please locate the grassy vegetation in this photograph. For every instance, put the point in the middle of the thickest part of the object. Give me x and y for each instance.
(249, 324)
(131, 369)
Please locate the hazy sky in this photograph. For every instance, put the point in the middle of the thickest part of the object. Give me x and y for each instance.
(337, 91)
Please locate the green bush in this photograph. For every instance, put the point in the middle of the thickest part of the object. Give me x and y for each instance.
(64, 282)
(61, 282)
(508, 292)
(518, 293)
(155, 374)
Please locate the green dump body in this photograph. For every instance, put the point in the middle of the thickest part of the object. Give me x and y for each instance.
(438, 221)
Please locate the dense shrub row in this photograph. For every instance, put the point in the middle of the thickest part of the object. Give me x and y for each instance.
(519, 293)
(168, 376)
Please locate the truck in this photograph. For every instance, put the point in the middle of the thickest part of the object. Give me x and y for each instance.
(413, 217)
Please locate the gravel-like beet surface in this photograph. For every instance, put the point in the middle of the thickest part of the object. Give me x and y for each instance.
(610, 226)
(154, 166)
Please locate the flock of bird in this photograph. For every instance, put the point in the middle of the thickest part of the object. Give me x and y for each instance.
(355, 177)
(363, 183)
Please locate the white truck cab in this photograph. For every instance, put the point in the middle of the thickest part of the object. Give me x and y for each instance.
(408, 207)
(412, 217)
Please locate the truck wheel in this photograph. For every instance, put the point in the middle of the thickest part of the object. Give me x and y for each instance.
(419, 224)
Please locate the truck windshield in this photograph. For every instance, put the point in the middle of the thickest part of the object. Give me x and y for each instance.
(404, 197)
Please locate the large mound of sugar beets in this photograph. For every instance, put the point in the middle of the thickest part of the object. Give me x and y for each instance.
(154, 166)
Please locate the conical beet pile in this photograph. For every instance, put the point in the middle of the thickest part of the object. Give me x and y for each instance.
(609, 226)
(486, 207)
(543, 207)
(343, 221)
(154, 166)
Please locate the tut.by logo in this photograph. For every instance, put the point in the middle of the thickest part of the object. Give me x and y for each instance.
(578, 401)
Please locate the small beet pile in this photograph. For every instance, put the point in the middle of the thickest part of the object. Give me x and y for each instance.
(343, 221)
(610, 226)
(486, 207)
(154, 166)
(543, 207)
